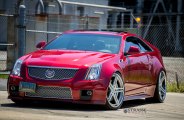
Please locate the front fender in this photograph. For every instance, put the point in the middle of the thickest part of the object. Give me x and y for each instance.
(108, 69)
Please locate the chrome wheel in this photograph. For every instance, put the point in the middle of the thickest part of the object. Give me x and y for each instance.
(115, 94)
(162, 85)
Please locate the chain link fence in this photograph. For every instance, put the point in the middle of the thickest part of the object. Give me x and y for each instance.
(39, 28)
(166, 38)
(7, 48)
(3, 60)
(3, 41)
(171, 45)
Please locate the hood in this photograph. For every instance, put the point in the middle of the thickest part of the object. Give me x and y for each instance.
(66, 58)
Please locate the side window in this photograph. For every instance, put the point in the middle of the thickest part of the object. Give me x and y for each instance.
(130, 41)
(143, 46)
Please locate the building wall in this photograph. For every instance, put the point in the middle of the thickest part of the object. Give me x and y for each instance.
(89, 11)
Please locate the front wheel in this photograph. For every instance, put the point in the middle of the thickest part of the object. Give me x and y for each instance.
(115, 93)
(22, 102)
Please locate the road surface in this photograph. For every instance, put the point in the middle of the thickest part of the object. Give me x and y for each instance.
(172, 109)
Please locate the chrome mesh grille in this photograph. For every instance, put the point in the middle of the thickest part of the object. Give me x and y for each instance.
(51, 92)
(59, 73)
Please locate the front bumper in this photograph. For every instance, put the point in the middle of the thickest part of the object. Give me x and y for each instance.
(78, 90)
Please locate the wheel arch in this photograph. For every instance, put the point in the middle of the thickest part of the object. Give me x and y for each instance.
(158, 67)
(158, 72)
(109, 68)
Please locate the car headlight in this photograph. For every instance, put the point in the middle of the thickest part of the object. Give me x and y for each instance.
(94, 72)
(17, 68)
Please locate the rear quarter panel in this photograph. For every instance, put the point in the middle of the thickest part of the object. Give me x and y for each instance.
(157, 61)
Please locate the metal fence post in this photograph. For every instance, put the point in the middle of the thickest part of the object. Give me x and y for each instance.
(86, 22)
(21, 31)
(177, 81)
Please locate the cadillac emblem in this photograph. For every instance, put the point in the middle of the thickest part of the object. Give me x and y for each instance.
(49, 73)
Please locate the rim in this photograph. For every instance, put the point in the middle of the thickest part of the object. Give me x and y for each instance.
(162, 85)
(115, 94)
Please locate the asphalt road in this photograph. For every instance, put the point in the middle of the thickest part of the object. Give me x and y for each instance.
(171, 109)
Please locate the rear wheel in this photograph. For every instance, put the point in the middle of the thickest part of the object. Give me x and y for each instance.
(160, 90)
(115, 93)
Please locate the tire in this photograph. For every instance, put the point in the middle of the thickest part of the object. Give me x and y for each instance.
(20, 102)
(160, 90)
(115, 93)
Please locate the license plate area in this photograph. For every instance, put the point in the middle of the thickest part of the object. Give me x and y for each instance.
(27, 87)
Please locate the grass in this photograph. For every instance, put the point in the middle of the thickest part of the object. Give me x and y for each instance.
(3, 76)
(172, 87)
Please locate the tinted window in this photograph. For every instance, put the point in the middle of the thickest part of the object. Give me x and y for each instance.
(133, 41)
(130, 41)
(86, 42)
(143, 46)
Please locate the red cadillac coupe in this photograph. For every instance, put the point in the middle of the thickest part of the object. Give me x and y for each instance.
(90, 67)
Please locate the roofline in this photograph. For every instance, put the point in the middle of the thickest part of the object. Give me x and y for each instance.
(93, 31)
(97, 30)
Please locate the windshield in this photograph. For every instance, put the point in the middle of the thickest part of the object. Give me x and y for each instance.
(86, 42)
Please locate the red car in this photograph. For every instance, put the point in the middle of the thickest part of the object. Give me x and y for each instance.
(90, 67)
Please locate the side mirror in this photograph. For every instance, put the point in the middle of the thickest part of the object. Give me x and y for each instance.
(133, 50)
(41, 44)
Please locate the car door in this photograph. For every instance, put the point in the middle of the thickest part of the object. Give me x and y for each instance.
(135, 64)
(146, 50)
(147, 76)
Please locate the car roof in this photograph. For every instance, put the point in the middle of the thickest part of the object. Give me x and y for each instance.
(106, 32)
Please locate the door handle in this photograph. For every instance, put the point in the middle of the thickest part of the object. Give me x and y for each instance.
(150, 62)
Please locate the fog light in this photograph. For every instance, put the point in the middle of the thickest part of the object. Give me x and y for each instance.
(89, 92)
(86, 94)
(12, 88)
